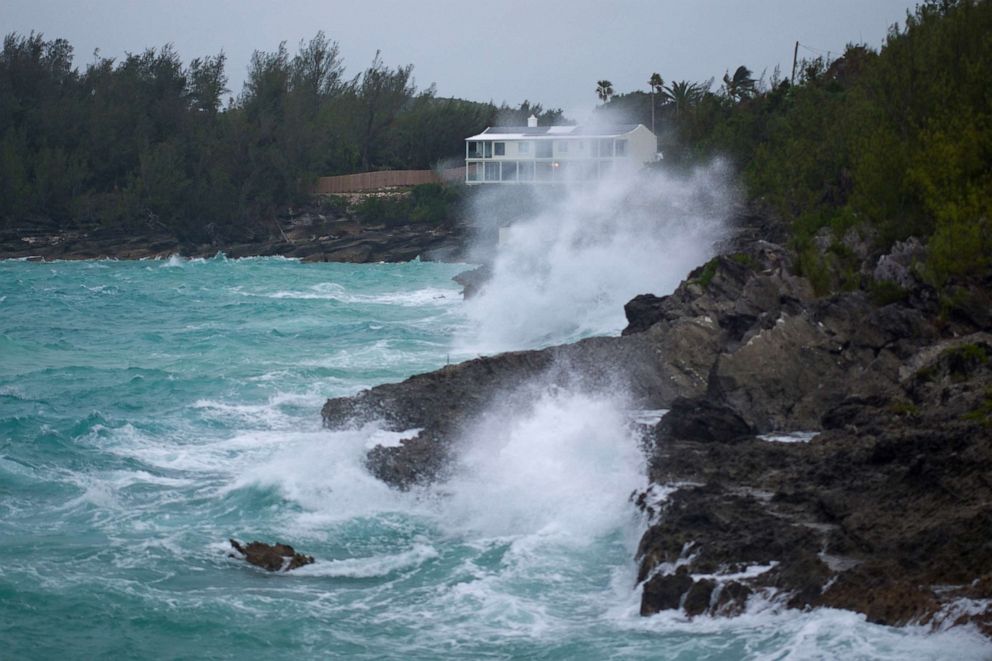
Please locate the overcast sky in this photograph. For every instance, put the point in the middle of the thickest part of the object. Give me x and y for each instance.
(548, 51)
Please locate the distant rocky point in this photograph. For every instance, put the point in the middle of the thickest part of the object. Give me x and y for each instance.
(311, 235)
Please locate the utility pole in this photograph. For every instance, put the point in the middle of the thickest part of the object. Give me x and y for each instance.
(795, 54)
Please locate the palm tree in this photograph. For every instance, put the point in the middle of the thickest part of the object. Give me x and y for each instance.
(741, 86)
(656, 83)
(683, 94)
(604, 90)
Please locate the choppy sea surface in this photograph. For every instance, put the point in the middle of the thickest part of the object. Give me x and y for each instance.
(151, 410)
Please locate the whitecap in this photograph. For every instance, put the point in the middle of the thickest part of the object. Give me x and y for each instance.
(370, 567)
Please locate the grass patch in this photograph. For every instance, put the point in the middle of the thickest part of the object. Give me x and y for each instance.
(982, 414)
(745, 260)
(904, 409)
(708, 272)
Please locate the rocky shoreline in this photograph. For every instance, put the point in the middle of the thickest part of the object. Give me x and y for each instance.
(309, 235)
(884, 507)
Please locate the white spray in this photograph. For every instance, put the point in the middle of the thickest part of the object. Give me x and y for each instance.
(565, 271)
(562, 469)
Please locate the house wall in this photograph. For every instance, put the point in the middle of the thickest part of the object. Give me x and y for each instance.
(573, 158)
(642, 145)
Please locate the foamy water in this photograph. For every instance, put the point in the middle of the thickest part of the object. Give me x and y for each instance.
(151, 410)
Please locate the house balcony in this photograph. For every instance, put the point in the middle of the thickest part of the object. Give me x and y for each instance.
(536, 170)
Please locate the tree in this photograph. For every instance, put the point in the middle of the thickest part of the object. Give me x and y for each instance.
(510, 116)
(683, 95)
(381, 94)
(207, 82)
(604, 90)
(316, 71)
(741, 86)
(656, 83)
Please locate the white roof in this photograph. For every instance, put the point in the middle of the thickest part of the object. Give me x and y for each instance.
(510, 133)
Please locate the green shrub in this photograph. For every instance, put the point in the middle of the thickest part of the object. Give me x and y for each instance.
(982, 414)
(884, 292)
(333, 205)
(384, 210)
(965, 359)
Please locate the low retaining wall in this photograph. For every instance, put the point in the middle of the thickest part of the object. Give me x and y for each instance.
(369, 181)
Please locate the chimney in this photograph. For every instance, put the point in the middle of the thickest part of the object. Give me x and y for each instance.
(532, 121)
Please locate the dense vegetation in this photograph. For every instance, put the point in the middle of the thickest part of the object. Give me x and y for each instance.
(878, 146)
(884, 145)
(149, 143)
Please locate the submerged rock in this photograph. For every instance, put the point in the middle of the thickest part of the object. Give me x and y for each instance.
(271, 557)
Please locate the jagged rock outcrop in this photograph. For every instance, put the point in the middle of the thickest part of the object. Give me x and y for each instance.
(887, 511)
(442, 404)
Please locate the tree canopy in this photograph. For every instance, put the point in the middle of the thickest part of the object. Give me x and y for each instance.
(148, 141)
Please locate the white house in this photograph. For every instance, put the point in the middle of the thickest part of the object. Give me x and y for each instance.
(549, 154)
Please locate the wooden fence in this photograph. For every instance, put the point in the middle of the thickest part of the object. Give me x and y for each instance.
(370, 181)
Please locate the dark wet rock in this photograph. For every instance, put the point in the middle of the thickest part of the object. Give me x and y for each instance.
(643, 311)
(474, 280)
(731, 598)
(883, 595)
(878, 514)
(418, 460)
(702, 419)
(446, 403)
(664, 592)
(697, 599)
(271, 557)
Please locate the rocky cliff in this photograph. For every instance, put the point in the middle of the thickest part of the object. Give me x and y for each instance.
(883, 507)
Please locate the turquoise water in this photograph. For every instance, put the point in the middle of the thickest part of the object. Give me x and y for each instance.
(151, 410)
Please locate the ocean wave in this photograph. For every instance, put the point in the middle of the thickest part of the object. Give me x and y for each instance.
(371, 567)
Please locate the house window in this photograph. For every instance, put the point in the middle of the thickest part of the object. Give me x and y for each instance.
(499, 148)
(475, 150)
(492, 171)
(620, 148)
(509, 170)
(543, 149)
(562, 147)
(475, 172)
(488, 149)
(526, 170)
(605, 148)
(524, 147)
